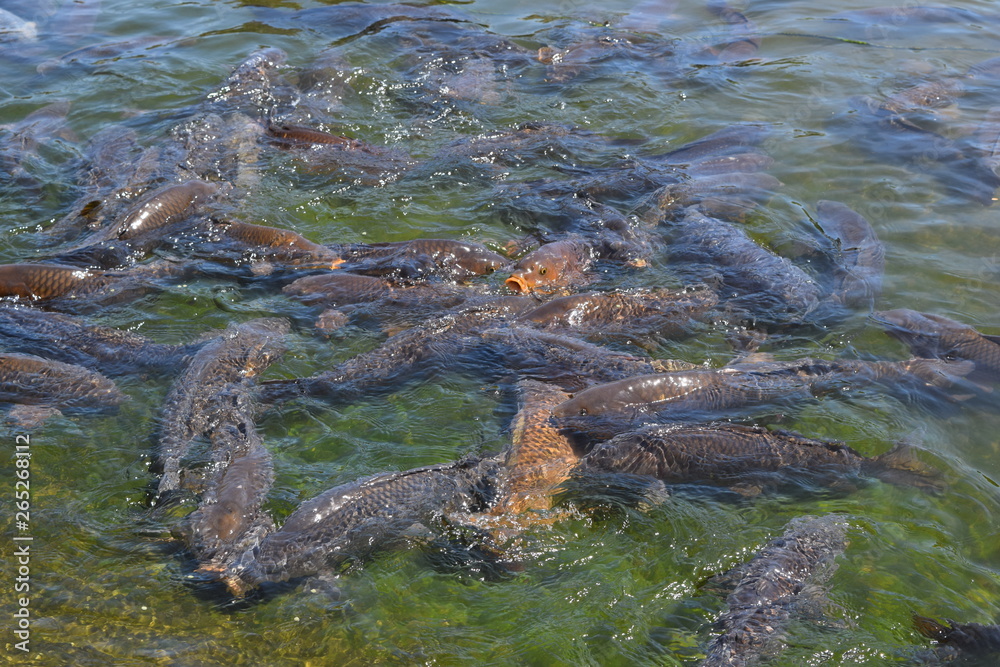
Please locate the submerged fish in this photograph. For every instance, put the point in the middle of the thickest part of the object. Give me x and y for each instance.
(29, 380)
(355, 520)
(717, 392)
(70, 339)
(746, 458)
(767, 285)
(772, 585)
(859, 256)
(240, 353)
(938, 337)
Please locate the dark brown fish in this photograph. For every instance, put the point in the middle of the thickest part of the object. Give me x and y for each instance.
(229, 518)
(727, 390)
(72, 340)
(746, 458)
(299, 135)
(422, 258)
(938, 337)
(666, 313)
(29, 380)
(260, 243)
(354, 520)
(553, 266)
(769, 287)
(969, 639)
(859, 256)
(239, 354)
(48, 281)
(770, 587)
(162, 208)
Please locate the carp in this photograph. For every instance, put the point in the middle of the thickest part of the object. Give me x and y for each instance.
(772, 585)
(354, 520)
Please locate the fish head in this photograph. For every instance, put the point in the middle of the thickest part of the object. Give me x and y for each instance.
(551, 267)
(926, 334)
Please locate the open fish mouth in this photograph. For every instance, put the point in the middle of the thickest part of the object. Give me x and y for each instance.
(517, 284)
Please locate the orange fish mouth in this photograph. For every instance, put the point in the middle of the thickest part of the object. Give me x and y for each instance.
(517, 284)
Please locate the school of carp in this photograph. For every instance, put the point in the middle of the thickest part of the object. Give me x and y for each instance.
(154, 212)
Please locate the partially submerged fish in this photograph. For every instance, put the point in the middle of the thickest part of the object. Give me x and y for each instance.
(746, 458)
(859, 255)
(717, 392)
(29, 380)
(553, 266)
(423, 258)
(935, 336)
(772, 585)
(236, 356)
(70, 339)
(355, 520)
(538, 458)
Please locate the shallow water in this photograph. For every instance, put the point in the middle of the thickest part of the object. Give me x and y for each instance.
(615, 586)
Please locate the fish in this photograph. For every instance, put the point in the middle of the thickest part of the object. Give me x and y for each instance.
(772, 585)
(443, 343)
(661, 312)
(353, 521)
(299, 135)
(730, 390)
(859, 255)
(938, 337)
(968, 639)
(745, 43)
(259, 243)
(423, 258)
(553, 266)
(747, 459)
(889, 136)
(564, 361)
(26, 379)
(47, 281)
(71, 340)
(163, 207)
(538, 458)
(767, 285)
(251, 86)
(240, 353)
(229, 518)
(730, 196)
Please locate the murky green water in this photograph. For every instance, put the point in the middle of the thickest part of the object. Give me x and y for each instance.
(610, 588)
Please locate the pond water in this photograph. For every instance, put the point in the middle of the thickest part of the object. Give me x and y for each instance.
(619, 584)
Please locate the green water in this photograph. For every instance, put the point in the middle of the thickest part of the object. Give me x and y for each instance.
(612, 587)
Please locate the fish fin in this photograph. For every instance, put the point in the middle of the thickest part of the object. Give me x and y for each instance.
(901, 466)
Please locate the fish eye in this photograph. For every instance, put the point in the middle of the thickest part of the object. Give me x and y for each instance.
(583, 412)
(542, 271)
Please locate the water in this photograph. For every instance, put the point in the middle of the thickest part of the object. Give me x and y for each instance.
(613, 587)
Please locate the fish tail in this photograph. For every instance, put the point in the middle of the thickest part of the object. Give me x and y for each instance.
(901, 466)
